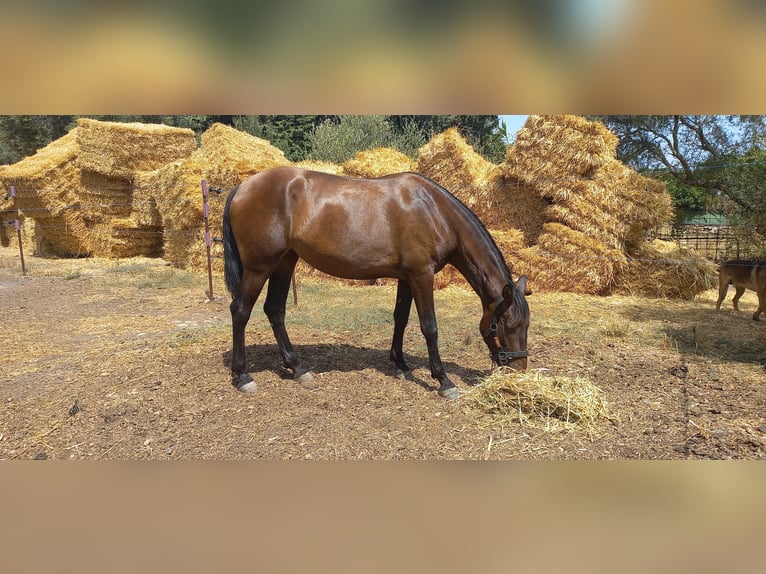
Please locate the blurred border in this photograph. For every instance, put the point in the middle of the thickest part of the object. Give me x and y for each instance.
(384, 56)
(442, 57)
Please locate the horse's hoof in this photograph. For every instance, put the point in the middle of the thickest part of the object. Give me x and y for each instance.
(249, 388)
(450, 393)
(399, 374)
(306, 377)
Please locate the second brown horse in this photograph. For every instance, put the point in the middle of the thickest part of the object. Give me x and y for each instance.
(402, 226)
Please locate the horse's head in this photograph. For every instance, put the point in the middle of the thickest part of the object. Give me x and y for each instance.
(504, 326)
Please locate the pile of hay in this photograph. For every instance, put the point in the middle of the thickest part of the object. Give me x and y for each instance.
(377, 162)
(551, 402)
(120, 149)
(47, 187)
(664, 269)
(580, 209)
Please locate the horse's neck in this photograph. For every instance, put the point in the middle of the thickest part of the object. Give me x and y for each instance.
(478, 262)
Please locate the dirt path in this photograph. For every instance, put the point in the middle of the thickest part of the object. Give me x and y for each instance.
(128, 360)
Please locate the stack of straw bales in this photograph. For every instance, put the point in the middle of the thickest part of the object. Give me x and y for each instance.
(591, 208)
(47, 185)
(112, 156)
(377, 162)
(225, 158)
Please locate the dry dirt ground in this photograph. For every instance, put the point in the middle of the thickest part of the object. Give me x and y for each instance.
(129, 360)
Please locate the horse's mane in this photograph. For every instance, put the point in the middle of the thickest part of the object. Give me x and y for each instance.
(493, 249)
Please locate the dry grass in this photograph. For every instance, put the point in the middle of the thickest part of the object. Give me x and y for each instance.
(551, 402)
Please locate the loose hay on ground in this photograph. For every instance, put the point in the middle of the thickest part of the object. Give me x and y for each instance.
(549, 402)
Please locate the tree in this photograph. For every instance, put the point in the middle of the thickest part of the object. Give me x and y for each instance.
(483, 133)
(21, 136)
(291, 134)
(338, 140)
(720, 156)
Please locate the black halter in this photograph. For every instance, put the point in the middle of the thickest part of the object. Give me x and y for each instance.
(500, 354)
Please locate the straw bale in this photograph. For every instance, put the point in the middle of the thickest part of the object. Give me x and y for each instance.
(119, 149)
(378, 162)
(231, 156)
(103, 197)
(548, 147)
(665, 269)
(452, 163)
(524, 209)
(537, 398)
(225, 159)
(176, 191)
(322, 166)
(124, 237)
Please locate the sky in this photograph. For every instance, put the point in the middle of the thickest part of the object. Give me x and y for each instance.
(513, 123)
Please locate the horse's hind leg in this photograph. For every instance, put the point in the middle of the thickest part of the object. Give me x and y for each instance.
(740, 291)
(401, 317)
(723, 287)
(241, 307)
(274, 307)
(761, 304)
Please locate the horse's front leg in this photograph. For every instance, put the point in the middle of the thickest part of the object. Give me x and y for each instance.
(241, 307)
(423, 293)
(401, 317)
(274, 307)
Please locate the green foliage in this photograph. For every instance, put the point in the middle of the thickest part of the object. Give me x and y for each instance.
(714, 160)
(483, 133)
(21, 136)
(338, 141)
(291, 134)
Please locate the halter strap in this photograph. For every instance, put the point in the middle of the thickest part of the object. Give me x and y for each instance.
(500, 354)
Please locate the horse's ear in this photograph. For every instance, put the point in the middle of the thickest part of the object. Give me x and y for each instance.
(508, 293)
(522, 286)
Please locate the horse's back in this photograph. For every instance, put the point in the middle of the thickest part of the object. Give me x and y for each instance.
(349, 227)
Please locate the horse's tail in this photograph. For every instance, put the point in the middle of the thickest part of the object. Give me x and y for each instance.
(232, 262)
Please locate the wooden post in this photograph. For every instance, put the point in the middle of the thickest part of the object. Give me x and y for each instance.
(205, 213)
(17, 223)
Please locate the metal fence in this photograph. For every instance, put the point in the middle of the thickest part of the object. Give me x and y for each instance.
(715, 242)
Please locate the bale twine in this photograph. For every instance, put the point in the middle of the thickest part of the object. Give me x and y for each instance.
(119, 149)
(377, 162)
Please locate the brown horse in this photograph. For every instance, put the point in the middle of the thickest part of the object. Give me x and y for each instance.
(403, 226)
(743, 275)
